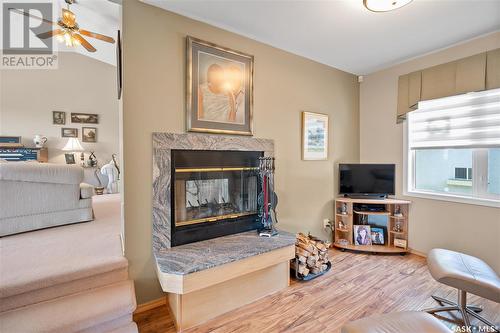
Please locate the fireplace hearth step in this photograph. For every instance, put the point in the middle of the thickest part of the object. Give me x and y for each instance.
(198, 256)
(199, 277)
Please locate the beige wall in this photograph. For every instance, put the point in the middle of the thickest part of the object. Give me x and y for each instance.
(285, 84)
(468, 228)
(80, 84)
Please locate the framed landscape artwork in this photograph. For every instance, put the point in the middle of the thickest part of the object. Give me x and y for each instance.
(89, 134)
(219, 89)
(84, 118)
(314, 136)
(69, 132)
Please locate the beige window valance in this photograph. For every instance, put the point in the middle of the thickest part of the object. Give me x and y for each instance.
(474, 73)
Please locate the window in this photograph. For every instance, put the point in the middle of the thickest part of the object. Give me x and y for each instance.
(453, 148)
(463, 173)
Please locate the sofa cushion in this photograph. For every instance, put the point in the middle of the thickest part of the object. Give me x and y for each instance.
(86, 191)
(41, 172)
(19, 224)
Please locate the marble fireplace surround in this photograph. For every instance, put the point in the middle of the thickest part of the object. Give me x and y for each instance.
(163, 144)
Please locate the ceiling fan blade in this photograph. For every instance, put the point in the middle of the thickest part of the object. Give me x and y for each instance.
(49, 34)
(97, 36)
(84, 43)
(25, 13)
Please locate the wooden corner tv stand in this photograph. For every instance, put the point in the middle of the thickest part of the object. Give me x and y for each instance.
(396, 226)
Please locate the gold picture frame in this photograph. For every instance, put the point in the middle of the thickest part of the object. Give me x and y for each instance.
(315, 134)
(228, 110)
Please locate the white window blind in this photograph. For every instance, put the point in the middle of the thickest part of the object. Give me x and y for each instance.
(464, 121)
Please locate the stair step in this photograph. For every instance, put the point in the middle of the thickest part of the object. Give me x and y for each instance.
(33, 265)
(74, 313)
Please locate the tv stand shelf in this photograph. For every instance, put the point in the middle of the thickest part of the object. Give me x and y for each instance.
(346, 217)
(371, 213)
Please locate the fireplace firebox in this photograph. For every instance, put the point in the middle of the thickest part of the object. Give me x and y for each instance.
(214, 194)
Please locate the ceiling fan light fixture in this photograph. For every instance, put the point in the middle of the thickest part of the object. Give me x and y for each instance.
(384, 5)
(68, 39)
(68, 30)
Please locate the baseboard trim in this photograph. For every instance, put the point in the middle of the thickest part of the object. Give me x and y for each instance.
(150, 305)
(418, 253)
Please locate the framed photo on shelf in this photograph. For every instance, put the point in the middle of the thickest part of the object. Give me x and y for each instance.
(70, 158)
(362, 235)
(377, 235)
(89, 134)
(219, 89)
(69, 132)
(314, 136)
(58, 118)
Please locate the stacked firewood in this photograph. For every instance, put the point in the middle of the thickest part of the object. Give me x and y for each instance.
(311, 254)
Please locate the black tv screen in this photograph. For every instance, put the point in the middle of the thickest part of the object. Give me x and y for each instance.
(367, 179)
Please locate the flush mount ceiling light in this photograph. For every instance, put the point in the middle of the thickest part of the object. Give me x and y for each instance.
(385, 5)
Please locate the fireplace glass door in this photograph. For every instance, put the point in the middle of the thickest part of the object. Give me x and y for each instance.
(205, 195)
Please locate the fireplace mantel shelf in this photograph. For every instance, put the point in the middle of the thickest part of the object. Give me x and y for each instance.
(195, 257)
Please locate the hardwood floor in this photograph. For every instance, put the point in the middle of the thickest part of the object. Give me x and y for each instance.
(358, 285)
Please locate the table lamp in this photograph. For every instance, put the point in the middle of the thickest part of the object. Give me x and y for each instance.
(73, 146)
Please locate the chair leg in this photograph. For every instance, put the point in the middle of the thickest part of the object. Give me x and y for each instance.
(461, 306)
(478, 317)
(465, 317)
(474, 308)
(443, 308)
(442, 300)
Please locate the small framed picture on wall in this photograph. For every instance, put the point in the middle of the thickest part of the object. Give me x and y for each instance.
(85, 118)
(58, 118)
(69, 132)
(89, 134)
(314, 136)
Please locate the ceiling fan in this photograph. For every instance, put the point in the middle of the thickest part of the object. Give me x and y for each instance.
(68, 30)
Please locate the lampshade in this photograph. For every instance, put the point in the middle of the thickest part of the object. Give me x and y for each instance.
(385, 5)
(73, 145)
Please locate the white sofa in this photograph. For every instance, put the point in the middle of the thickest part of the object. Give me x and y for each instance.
(40, 195)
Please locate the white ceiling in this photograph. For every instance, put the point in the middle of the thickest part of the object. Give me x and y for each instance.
(342, 33)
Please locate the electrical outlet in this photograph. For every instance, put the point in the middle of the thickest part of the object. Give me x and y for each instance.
(326, 223)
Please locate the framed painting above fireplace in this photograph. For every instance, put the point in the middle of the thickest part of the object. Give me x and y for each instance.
(219, 89)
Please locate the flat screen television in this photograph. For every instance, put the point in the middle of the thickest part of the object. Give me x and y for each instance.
(377, 180)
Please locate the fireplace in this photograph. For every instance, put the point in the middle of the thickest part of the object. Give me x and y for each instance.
(213, 193)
